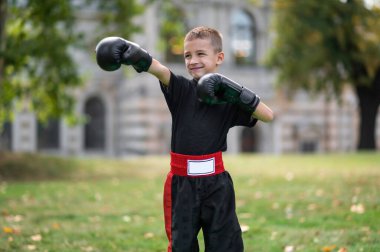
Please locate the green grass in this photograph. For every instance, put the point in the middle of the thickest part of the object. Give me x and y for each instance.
(305, 203)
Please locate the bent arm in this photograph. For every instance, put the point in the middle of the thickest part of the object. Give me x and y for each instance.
(160, 71)
(263, 113)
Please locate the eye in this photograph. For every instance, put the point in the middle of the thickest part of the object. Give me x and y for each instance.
(201, 54)
(187, 56)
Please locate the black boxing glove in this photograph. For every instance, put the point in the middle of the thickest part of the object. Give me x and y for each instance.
(214, 88)
(111, 52)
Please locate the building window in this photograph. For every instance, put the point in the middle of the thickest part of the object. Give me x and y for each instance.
(94, 136)
(243, 36)
(6, 137)
(308, 146)
(248, 141)
(48, 135)
(172, 32)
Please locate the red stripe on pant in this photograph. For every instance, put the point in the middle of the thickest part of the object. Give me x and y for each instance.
(179, 167)
(168, 208)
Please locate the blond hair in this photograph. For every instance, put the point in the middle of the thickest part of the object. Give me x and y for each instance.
(203, 32)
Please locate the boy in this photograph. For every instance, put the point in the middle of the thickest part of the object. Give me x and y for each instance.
(198, 191)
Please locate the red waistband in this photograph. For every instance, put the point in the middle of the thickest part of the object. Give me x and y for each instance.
(196, 165)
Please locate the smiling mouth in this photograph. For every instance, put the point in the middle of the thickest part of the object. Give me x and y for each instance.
(195, 68)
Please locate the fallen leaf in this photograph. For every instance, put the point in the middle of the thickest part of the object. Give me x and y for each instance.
(244, 228)
(14, 218)
(289, 248)
(8, 230)
(31, 247)
(88, 249)
(357, 208)
(148, 235)
(36, 237)
(127, 218)
(328, 248)
(55, 226)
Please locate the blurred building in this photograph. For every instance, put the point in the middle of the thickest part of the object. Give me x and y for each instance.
(127, 114)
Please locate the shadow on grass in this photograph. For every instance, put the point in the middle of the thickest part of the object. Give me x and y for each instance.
(31, 167)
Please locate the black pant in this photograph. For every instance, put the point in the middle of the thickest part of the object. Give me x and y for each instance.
(203, 202)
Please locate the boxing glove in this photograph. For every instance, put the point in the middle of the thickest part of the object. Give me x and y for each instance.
(214, 88)
(111, 52)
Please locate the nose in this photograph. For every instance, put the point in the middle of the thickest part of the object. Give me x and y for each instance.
(193, 60)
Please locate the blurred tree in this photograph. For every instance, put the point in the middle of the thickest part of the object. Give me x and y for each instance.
(36, 67)
(37, 71)
(116, 16)
(173, 29)
(320, 46)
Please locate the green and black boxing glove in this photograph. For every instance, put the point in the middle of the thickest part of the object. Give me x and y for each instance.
(214, 88)
(111, 52)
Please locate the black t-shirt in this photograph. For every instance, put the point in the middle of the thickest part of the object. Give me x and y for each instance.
(199, 128)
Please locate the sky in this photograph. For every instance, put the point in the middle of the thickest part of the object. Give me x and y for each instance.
(371, 3)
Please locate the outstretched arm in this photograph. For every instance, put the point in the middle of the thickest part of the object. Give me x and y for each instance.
(111, 52)
(160, 71)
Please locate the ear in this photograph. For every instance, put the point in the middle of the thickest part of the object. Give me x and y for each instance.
(220, 58)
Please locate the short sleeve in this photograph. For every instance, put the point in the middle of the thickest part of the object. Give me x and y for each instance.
(244, 118)
(176, 89)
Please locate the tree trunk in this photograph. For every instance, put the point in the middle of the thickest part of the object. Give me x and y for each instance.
(369, 100)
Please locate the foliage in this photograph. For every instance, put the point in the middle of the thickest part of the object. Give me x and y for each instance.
(117, 17)
(310, 203)
(172, 30)
(320, 46)
(37, 69)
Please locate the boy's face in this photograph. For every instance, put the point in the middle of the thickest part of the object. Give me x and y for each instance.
(201, 57)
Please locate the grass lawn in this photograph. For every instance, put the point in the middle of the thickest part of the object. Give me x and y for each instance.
(285, 203)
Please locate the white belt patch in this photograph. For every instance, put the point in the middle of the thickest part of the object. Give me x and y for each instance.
(200, 167)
